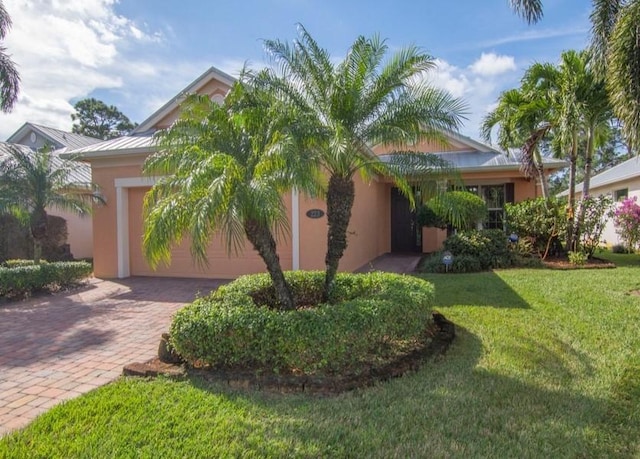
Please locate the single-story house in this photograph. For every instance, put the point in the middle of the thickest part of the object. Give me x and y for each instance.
(381, 220)
(619, 182)
(33, 137)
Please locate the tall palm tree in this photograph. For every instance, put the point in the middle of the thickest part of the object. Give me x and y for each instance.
(225, 168)
(32, 182)
(365, 100)
(9, 78)
(579, 107)
(523, 121)
(615, 45)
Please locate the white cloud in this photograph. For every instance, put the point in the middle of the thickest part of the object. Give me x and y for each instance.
(493, 64)
(475, 84)
(64, 50)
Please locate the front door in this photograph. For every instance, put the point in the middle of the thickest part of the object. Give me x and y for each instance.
(406, 236)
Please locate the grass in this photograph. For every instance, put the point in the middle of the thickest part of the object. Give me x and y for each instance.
(546, 364)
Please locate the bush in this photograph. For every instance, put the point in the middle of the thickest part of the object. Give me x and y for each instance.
(577, 258)
(627, 222)
(461, 264)
(619, 248)
(541, 221)
(597, 211)
(489, 247)
(25, 278)
(373, 314)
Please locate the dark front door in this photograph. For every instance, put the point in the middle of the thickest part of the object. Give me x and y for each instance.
(405, 234)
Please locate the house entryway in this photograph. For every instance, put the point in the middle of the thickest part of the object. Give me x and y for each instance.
(406, 235)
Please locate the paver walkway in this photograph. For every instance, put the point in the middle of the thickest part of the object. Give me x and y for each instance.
(393, 263)
(54, 348)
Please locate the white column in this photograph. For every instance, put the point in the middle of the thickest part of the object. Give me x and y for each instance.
(295, 230)
(122, 230)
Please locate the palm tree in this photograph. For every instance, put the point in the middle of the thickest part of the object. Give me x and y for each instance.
(224, 168)
(363, 101)
(578, 107)
(615, 45)
(523, 121)
(32, 182)
(9, 78)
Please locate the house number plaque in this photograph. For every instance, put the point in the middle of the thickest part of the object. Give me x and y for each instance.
(315, 213)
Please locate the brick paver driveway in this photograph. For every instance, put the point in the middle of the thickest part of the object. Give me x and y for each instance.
(54, 348)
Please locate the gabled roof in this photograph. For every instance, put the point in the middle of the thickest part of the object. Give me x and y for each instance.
(623, 171)
(57, 137)
(80, 173)
(202, 80)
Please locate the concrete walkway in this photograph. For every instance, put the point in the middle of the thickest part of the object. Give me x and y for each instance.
(57, 347)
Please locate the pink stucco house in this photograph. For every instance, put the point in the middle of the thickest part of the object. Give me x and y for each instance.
(381, 221)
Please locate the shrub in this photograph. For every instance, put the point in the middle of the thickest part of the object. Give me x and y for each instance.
(597, 211)
(577, 258)
(16, 241)
(375, 313)
(27, 278)
(619, 248)
(489, 247)
(16, 263)
(542, 221)
(461, 264)
(627, 222)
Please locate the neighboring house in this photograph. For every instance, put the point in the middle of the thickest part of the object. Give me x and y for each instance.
(34, 136)
(381, 220)
(619, 182)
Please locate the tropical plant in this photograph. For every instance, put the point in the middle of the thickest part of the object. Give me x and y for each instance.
(462, 210)
(596, 213)
(523, 118)
(363, 101)
(9, 78)
(627, 223)
(33, 182)
(578, 105)
(225, 168)
(615, 45)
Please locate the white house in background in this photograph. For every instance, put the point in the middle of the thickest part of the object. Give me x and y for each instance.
(619, 182)
(35, 136)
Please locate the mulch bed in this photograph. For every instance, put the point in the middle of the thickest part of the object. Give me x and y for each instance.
(440, 333)
(562, 262)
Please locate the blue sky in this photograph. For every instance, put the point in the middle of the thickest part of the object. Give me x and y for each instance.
(137, 54)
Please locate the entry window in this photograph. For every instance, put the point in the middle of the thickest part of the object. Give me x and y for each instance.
(493, 195)
(621, 194)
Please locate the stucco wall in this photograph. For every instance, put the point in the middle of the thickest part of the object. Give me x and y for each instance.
(80, 233)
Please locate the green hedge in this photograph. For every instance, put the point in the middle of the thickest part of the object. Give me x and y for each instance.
(23, 277)
(472, 251)
(237, 327)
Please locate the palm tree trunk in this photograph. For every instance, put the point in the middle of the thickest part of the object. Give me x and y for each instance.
(586, 184)
(38, 228)
(544, 184)
(573, 157)
(263, 241)
(340, 197)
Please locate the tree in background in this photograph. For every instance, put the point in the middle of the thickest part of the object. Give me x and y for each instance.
(32, 182)
(367, 99)
(94, 118)
(9, 78)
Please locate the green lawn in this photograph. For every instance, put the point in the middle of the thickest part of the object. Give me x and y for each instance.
(546, 364)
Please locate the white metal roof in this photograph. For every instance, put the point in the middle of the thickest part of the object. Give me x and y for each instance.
(58, 137)
(623, 171)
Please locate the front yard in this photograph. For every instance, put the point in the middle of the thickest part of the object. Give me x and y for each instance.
(546, 364)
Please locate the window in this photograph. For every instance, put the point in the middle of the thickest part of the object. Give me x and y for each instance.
(621, 194)
(493, 195)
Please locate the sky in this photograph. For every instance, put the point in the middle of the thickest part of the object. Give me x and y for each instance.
(138, 54)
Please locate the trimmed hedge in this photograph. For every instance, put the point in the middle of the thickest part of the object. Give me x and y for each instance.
(236, 326)
(23, 277)
(472, 251)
